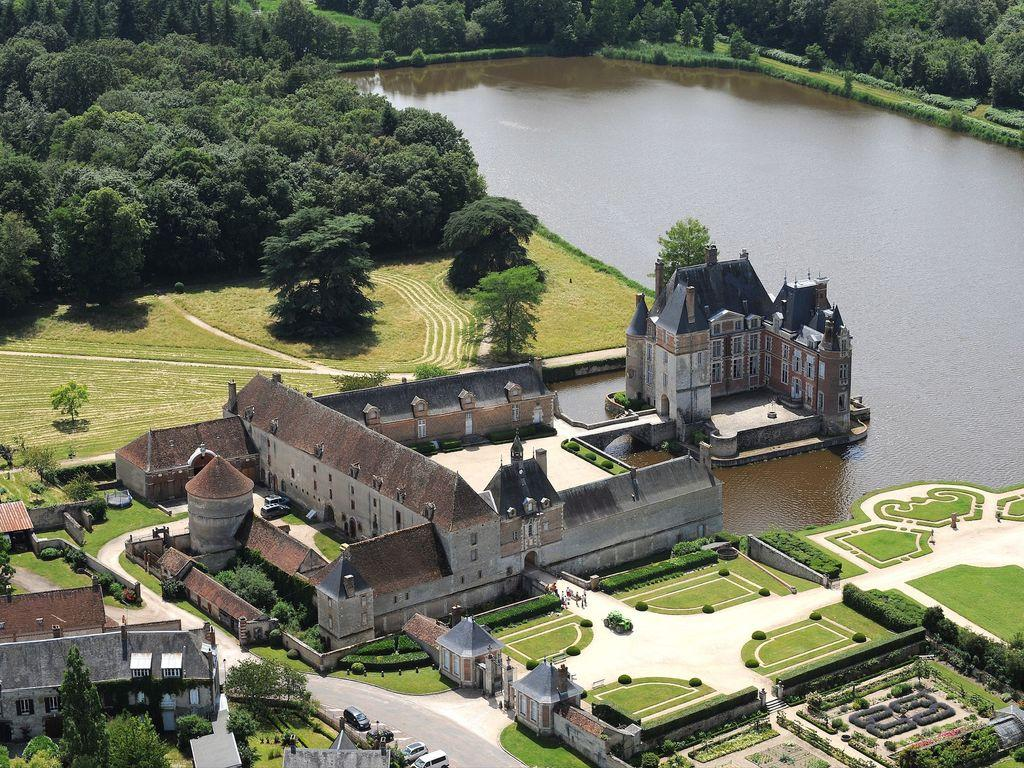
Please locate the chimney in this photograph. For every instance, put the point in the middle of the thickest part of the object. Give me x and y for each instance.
(456, 614)
(538, 365)
(826, 340)
(659, 277)
(209, 634)
(563, 679)
(232, 405)
(821, 294)
(309, 394)
(276, 378)
(744, 255)
(124, 638)
(96, 585)
(57, 631)
(711, 255)
(540, 455)
(349, 583)
(691, 301)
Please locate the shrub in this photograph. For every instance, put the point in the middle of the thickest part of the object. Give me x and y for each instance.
(641, 606)
(708, 609)
(901, 689)
(649, 759)
(815, 616)
(689, 547)
(115, 590)
(758, 635)
(191, 727)
(451, 445)
(572, 650)
(418, 58)
(659, 57)
(625, 679)
(1018, 754)
(172, 590)
(804, 552)
(292, 654)
(764, 592)
(532, 663)
(389, 662)
(179, 287)
(752, 663)
(586, 623)
(40, 745)
(607, 464)
(49, 553)
(860, 703)
(656, 571)
(695, 682)
(516, 614)
(858, 637)
(274, 637)
(589, 456)
(729, 538)
(357, 668)
(571, 446)
(723, 571)
(387, 645)
(80, 487)
(892, 610)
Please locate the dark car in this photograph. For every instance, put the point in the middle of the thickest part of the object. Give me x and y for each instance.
(277, 498)
(357, 719)
(274, 510)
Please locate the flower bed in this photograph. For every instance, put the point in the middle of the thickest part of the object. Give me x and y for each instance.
(734, 743)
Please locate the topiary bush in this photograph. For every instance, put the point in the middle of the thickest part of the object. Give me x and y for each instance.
(571, 446)
(815, 616)
(606, 463)
(752, 663)
(695, 682)
(292, 654)
(586, 623)
(179, 287)
(589, 455)
(764, 591)
(860, 703)
(858, 637)
(625, 679)
(649, 760)
(49, 553)
(758, 635)
(572, 650)
(708, 609)
(641, 606)
(358, 668)
(532, 663)
(723, 571)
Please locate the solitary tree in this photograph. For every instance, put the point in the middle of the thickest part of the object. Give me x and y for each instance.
(40, 459)
(488, 235)
(69, 399)
(684, 244)
(507, 304)
(134, 743)
(85, 734)
(707, 33)
(320, 265)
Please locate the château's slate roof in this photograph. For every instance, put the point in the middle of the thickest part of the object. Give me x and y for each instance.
(732, 285)
(513, 483)
(163, 449)
(675, 318)
(396, 561)
(542, 685)
(405, 475)
(219, 480)
(75, 609)
(638, 325)
(469, 639)
(614, 495)
(394, 401)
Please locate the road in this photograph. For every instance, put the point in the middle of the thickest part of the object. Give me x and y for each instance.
(460, 723)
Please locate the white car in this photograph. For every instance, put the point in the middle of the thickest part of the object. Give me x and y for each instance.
(436, 759)
(413, 750)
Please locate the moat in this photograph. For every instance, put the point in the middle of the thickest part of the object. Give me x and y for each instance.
(923, 240)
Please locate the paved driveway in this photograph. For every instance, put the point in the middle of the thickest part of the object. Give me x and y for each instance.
(464, 726)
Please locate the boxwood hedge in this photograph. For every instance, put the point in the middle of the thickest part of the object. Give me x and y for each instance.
(833, 665)
(658, 728)
(520, 612)
(657, 571)
(892, 610)
(386, 663)
(803, 552)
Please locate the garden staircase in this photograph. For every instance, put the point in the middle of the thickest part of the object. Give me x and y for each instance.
(774, 704)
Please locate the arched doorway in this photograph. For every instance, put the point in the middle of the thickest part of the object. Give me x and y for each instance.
(328, 514)
(351, 527)
(530, 561)
(664, 407)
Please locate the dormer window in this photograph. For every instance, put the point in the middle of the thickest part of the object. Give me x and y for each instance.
(170, 664)
(419, 406)
(371, 414)
(141, 664)
(466, 399)
(513, 391)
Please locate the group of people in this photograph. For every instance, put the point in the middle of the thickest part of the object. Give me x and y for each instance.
(579, 598)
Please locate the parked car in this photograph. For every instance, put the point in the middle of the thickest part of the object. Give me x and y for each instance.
(436, 759)
(410, 752)
(277, 498)
(272, 511)
(357, 719)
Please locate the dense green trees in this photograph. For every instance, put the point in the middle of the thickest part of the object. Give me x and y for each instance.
(685, 243)
(506, 302)
(488, 235)
(134, 743)
(85, 734)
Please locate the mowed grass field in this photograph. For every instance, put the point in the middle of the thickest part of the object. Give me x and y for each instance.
(354, 22)
(125, 399)
(989, 597)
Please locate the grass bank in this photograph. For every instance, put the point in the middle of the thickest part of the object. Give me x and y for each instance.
(452, 57)
(536, 752)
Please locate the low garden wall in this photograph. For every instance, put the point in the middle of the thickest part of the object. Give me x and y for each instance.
(728, 444)
(765, 553)
(704, 716)
(593, 738)
(556, 373)
(74, 529)
(52, 518)
(321, 662)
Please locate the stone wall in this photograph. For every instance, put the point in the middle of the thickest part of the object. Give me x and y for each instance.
(52, 518)
(729, 444)
(74, 529)
(708, 723)
(94, 565)
(592, 746)
(765, 553)
(555, 373)
(321, 662)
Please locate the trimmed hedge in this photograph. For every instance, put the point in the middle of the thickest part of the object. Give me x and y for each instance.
(759, 634)
(657, 571)
(844, 661)
(390, 662)
(689, 547)
(520, 612)
(659, 727)
(803, 552)
(97, 471)
(893, 611)
(386, 645)
(526, 432)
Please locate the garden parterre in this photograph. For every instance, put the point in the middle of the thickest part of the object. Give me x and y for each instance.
(648, 697)
(545, 637)
(883, 545)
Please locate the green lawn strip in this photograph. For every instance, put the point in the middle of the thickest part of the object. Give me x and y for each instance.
(883, 547)
(545, 637)
(354, 22)
(56, 571)
(421, 681)
(122, 521)
(280, 655)
(988, 597)
(721, 590)
(328, 546)
(934, 508)
(536, 752)
(648, 696)
(14, 486)
(267, 741)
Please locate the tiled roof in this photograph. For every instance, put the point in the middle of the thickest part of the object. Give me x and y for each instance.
(14, 517)
(467, 638)
(70, 609)
(424, 629)
(163, 449)
(304, 423)
(212, 591)
(173, 561)
(583, 721)
(279, 548)
(394, 401)
(40, 663)
(399, 560)
(219, 480)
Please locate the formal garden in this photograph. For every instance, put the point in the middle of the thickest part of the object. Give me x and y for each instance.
(647, 697)
(883, 545)
(547, 637)
(989, 597)
(832, 630)
(936, 508)
(1011, 507)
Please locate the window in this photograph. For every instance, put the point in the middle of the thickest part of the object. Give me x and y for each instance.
(785, 374)
(472, 538)
(753, 343)
(398, 518)
(353, 503)
(737, 367)
(515, 535)
(768, 366)
(810, 366)
(664, 357)
(143, 672)
(330, 493)
(844, 372)
(172, 672)
(767, 343)
(809, 394)
(752, 366)
(469, 423)
(842, 402)
(785, 351)
(314, 469)
(716, 329)
(716, 372)
(421, 428)
(26, 707)
(52, 704)
(737, 345)
(796, 361)
(700, 360)
(821, 401)
(821, 369)
(737, 325)
(515, 411)
(293, 473)
(716, 348)
(193, 696)
(472, 555)
(314, 485)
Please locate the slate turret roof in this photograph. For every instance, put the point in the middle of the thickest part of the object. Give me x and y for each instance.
(723, 285)
(513, 483)
(675, 318)
(219, 480)
(545, 686)
(469, 639)
(638, 325)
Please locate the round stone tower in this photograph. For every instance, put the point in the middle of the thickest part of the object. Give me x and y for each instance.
(219, 498)
(636, 335)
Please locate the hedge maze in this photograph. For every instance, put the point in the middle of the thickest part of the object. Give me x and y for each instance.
(935, 509)
(882, 544)
(916, 710)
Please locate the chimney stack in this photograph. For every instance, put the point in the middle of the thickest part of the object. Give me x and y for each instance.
(563, 679)
(232, 397)
(349, 582)
(57, 631)
(691, 300)
(821, 294)
(744, 254)
(711, 255)
(540, 455)
(456, 614)
(538, 365)
(124, 637)
(276, 378)
(659, 277)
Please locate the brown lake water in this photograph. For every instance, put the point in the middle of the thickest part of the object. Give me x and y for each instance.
(920, 230)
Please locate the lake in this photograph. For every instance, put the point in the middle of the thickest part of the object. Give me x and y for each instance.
(920, 230)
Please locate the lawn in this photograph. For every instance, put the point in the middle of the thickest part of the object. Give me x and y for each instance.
(690, 592)
(989, 597)
(125, 399)
(648, 696)
(266, 742)
(15, 486)
(809, 640)
(121, 521)
(545, 637)
(536, 752)
(934, 508)
(354, 22)
(146, 328)
(56, 571)
(329, 547)
(883, 545)
(280, 655)
(424, 680)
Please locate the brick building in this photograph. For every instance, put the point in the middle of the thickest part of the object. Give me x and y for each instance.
(56, 613)
(713, 330)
